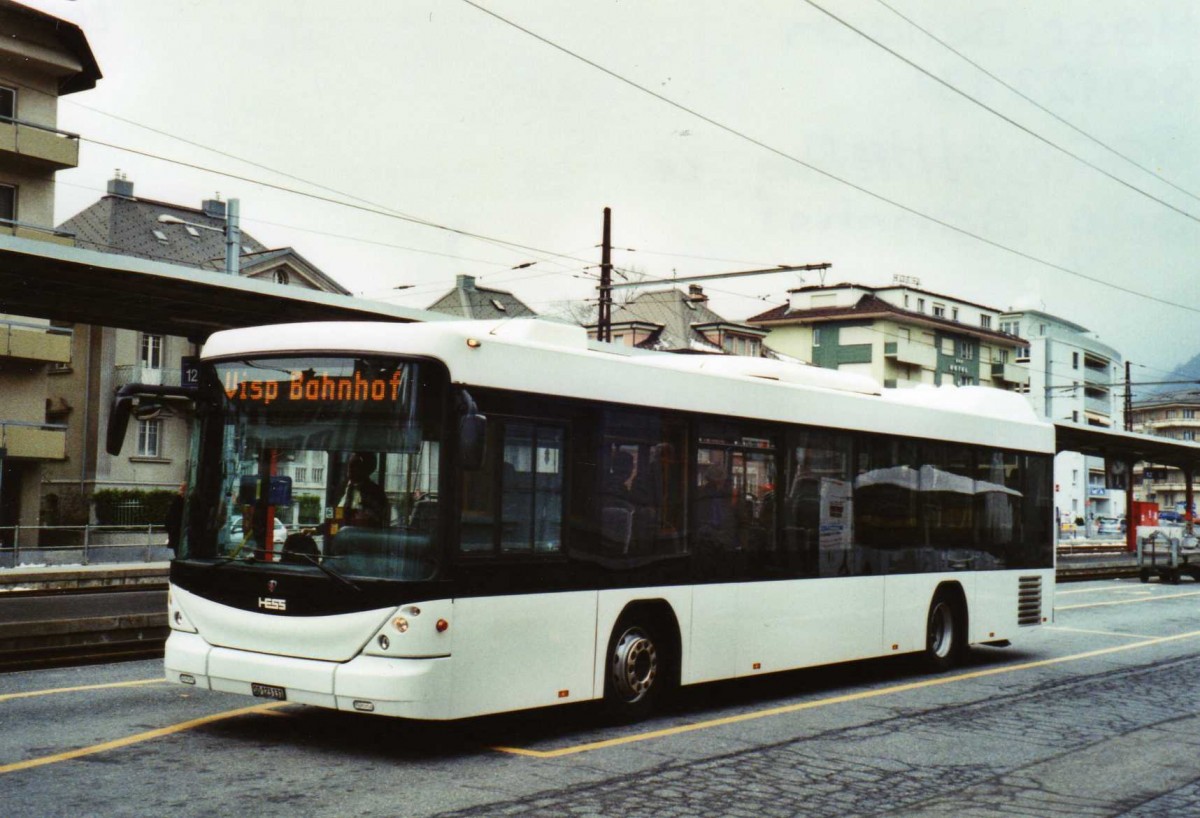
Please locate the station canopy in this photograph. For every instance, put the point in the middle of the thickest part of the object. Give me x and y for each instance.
(44, 280)
(1127, 446)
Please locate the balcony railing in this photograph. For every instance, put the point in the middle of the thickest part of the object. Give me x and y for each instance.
(39, 145)
(33, 441)
(1010, 373)
(136, 373)
(38, 232)
(35, 342)
(911, 353)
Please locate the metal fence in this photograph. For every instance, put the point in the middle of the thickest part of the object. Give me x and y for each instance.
(82, 544)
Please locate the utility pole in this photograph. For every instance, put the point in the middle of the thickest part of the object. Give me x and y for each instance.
(604, 328)
(1128, 401)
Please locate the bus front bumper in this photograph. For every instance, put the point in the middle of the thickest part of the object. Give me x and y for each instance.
(406, 688)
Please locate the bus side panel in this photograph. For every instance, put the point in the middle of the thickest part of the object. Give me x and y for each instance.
(995, 615)
(521, 651)
(906, 607)
(613, 603)
(715, 630)
(801, 623)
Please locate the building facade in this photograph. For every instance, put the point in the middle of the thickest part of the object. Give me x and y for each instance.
(900, 335)
(1073, 378)
(1176, 416)
(41, 59)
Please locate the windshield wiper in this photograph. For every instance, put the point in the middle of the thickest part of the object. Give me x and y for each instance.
(317, 561)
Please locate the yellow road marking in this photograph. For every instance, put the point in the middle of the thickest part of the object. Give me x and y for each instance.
(31, 693)
(850, 697)
(1126, 601)
(1101, 633)
(136, 739)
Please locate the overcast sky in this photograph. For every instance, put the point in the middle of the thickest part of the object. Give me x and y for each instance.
(436, 110)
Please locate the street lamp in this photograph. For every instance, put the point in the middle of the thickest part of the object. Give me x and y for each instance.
(233, 233)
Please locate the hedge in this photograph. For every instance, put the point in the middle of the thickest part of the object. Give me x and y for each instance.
(132, 506)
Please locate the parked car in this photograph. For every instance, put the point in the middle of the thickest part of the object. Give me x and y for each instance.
(1110, 525)
(1168, 517)
(278, 536)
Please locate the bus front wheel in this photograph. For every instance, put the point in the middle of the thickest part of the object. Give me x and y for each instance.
(945, 634)
(636, 668)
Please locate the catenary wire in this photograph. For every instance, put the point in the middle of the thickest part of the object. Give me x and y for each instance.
(1034, 102)
(830, 175)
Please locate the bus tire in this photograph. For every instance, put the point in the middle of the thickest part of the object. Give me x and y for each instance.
(945, 633)
(637, 666)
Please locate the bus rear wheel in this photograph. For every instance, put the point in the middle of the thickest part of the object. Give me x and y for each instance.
(636, 668)
(945, 634)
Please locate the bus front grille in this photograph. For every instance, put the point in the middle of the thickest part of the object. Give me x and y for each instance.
(1029, 601)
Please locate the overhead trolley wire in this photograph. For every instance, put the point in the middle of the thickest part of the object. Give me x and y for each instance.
(996, 113)
(828, 174)
(1034, 102)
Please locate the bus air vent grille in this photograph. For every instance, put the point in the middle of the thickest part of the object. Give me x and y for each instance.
(1029, 601)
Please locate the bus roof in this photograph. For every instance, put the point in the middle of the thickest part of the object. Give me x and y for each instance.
(547, 358)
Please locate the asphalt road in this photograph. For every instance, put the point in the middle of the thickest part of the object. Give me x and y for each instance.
(1096, 715)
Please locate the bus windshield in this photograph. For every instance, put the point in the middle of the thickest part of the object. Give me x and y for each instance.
(325, 462)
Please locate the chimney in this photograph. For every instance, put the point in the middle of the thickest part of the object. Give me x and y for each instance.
(120, 186)
(214, 208)
(464, 282)
(696, 293)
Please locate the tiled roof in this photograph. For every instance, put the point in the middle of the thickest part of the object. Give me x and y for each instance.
(678, 315)
(870, 306)
(130, 227)
(116, 224)
(471, 301)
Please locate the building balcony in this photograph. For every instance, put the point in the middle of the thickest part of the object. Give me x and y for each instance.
(33, 441)
(125, 375)
(1010, 373)
(1100, 406)
(23, 230)
(911, 353)
(35, 342)
(1155, 427)
(38, 146)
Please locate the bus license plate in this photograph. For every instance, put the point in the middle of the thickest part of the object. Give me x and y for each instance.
(268, 692)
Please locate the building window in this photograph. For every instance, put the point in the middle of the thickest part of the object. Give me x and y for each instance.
(964, 350)
(816, 336)
(281, 276)
(149, 438)
(1189, 414)
(301, 474)
(8, 203)
(319, 475)
(939, 310)
(954, 313)
(152, 349)
(1074, 360)
(985, 321)
(1189, 434)
(8, 102)
(920, 305)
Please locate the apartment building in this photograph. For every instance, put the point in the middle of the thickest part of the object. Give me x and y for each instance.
(1073, 378)
(1176, 416)
(900, 335)
(41, 59)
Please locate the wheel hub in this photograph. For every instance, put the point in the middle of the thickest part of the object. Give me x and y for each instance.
(634, 665)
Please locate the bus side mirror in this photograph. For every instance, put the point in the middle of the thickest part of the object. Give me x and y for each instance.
(118, 422)
(472, 433)
(142, 400)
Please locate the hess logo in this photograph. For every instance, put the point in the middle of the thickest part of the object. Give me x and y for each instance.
(268, 603)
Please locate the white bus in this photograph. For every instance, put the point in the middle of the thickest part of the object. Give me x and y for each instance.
(515, 517)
